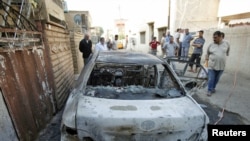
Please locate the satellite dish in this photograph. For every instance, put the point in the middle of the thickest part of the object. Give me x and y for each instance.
(78, 19)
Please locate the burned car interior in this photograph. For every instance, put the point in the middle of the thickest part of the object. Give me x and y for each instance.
(132, 81)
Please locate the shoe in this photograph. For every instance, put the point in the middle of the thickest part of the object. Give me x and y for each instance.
(209, 93)
(213, 91)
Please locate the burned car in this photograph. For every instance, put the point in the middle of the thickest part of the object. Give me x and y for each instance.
(131, 96)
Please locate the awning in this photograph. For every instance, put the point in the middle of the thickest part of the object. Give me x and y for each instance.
(239, 21)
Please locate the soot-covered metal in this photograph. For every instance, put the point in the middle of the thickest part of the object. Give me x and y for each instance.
(132, 93)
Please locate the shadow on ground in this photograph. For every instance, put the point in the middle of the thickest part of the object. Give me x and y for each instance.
(214, 113)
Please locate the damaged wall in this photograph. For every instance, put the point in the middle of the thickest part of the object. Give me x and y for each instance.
(36, 80)
(57, 40)
(26, 88)
(36, 72)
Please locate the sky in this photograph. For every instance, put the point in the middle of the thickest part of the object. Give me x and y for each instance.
(104, 12)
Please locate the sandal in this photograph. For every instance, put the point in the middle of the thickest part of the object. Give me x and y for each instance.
(209, 93)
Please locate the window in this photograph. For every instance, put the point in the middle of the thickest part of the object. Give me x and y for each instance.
(143, 37)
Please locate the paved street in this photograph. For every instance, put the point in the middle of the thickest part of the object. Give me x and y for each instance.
(232, 92)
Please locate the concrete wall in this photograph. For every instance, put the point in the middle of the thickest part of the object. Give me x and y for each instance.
(192, 14)
(239, 39)
(6, 127)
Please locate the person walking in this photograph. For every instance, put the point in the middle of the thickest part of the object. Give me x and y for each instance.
(216, 60)
(186, 43)
(197, 52)
(153, 44)
(85, 46)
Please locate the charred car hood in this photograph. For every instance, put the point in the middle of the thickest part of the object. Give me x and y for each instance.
(166, 119)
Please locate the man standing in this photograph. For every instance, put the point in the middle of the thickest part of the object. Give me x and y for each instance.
(197, 52)
(153, 44)
(85, 46)
(126, 41)
(163, 40)
(167, 37)
(181, 40)
(114, 43)
(101, 46)
(177, 36)
(186, 43)
(171, 49)
(216, 59)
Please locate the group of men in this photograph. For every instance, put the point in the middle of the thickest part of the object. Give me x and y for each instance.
(179, 45)
(85, 46)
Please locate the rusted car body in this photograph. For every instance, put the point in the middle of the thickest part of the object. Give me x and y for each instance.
(130, 96)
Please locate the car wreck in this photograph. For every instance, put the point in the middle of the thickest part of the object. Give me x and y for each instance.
(131, 96)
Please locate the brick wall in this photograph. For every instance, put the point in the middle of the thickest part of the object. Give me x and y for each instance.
(75, 39)
(58, 41)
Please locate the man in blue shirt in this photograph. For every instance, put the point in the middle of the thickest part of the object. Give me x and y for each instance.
(186, 43)
(167, 38)
(197, 52)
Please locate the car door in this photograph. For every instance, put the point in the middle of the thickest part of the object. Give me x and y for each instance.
(190, 80)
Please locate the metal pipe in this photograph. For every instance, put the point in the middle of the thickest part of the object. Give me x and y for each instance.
(5, 14)
(18, 20)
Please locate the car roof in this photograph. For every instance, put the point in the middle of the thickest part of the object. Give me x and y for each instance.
(126, 57)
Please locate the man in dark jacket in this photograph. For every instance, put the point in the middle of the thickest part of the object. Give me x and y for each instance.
(85, 47)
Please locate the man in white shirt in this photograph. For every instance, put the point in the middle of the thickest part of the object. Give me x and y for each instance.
(114, 43)
(163, 40)
(182, 34)
(171, 49)
(101, 46)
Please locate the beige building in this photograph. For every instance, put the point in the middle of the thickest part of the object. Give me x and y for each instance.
(173, 14)
(78, 21)
(192, 14)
